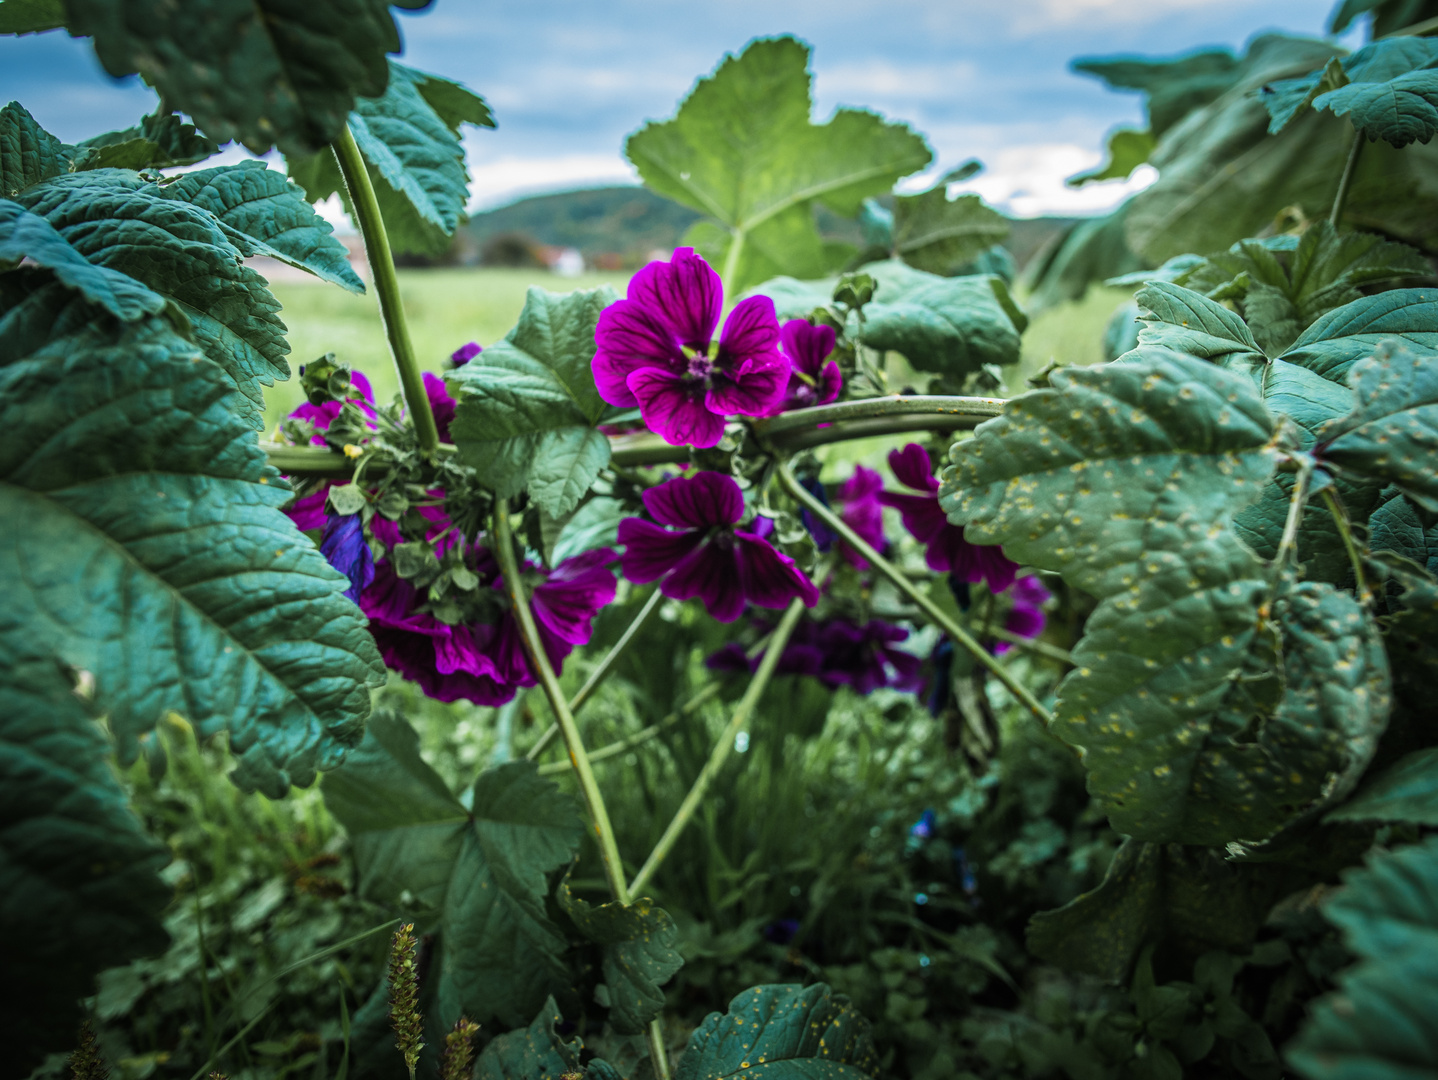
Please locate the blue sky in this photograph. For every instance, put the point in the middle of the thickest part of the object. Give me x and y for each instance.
(568, 79)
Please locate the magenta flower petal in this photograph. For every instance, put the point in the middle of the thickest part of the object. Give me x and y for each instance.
(310, 512)
(831, 381)
(768, 577)
(913, 469)
(385, 531)
(630, 338)
(752, 329)
(807, 346)
(982, 562)
(755, 388)
(922, 515)
(567, 601)
(686, 292)
(440, 403)
(465, 353)
(711, 573)
(344, 547)
(1027, 622)
(673, 410)
(701, 501)
(650, 552)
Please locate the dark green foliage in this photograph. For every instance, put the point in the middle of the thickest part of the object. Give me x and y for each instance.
(31, 16)
(1387, 15)
(935, 233)
(1173, 88)
(527, 406)
(1379, 1023)
(639, 955)
(158, 141)
(744, 151)
(783, 1031)
(1388, 89)
(534, 1053)
(475, 876)
(29, 153)
(80, 885)
(1090, 250)
(1406, 791)
(264, 213)
(412, 149)
(261, 72)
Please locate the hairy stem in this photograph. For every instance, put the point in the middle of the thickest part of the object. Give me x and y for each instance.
(534, 647)
(602, 671)
(1345, 182)
(1340, 519)
(935, 613)
(386, 287)
(723, 747)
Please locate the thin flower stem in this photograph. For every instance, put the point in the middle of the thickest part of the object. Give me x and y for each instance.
(723, 747)
(935, 613)
(1340, 519)
(798, 429)
(1345, 182)
(599, 674)
(386, 287)
(1288, 541)
(529, 634)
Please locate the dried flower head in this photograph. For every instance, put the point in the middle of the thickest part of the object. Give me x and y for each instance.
(457, 1062)
(86, 1062)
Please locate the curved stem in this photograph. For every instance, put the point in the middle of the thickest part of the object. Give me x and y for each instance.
(722, 748)
(1288, 541)
(599, 674)
(643, 735)
(1345, 182)
(534, 647)
(1340, 518)
(386, 287)
(935, 406)
(936, 614)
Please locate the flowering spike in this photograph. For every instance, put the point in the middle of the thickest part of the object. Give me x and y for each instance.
(404, 997)
(458, 1060)
(86, 1062)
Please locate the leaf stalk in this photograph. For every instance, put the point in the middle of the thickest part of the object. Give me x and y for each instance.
(386, 287)
(935, 613)
(1355, 557)
(1345, 181)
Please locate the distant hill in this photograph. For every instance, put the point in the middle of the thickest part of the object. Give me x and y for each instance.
(619, 227)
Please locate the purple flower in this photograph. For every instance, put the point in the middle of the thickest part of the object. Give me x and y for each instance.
(566, 602)
(310, 512)
(798, 658)
(344, 546)
(440, 403)
(1026, 618)
(465, 353)
(322, 416)
(707, 557)
(811, 381)
(946, 550)
(924, 827)
(864, 657)
(655, 350)
(863, 512)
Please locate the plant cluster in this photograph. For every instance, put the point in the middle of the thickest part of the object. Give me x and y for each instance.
(1103, 755)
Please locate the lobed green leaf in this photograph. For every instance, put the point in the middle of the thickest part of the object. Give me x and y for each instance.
(1406, 791)
(28, 153)
(158, 141)
(1388, 89)
(537, 1052)
(935, 233)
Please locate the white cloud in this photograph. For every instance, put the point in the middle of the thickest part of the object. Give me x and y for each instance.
(508, 178)
(1029, 17)
(1028, 181)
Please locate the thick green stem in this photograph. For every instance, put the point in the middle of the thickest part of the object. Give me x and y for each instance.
(601, 672)
(731, 260)
(386, 287)
(1340, 518)
(534, 647)
(1345, 182)
(924, 407)
(723, 747)
(936, 614)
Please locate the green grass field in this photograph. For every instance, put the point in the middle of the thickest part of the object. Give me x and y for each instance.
(447, 308)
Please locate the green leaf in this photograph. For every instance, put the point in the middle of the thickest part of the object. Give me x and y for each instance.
(479, 874)
(1126, 479)
(1092, 250)
(26, 235)
(1388, 89)
(1222, 177)
(1174, 87)
(259, 72)
(1186, 321)
(1379, 1023)
(1406, 791)
(264, 213)
(28, 153)
(640, 955)
(1350, 333)
(594, 525)
(743, 150)
(118, 221)
(31, 16)
(1392, 433)
(1127, 150)
(143, 542)
(782, 1031)
(156, 142)
(527, 407)
(935, 233)
(80, 876)
(452, 102)
(534, 1053)
(415, 161)
(948, 325)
